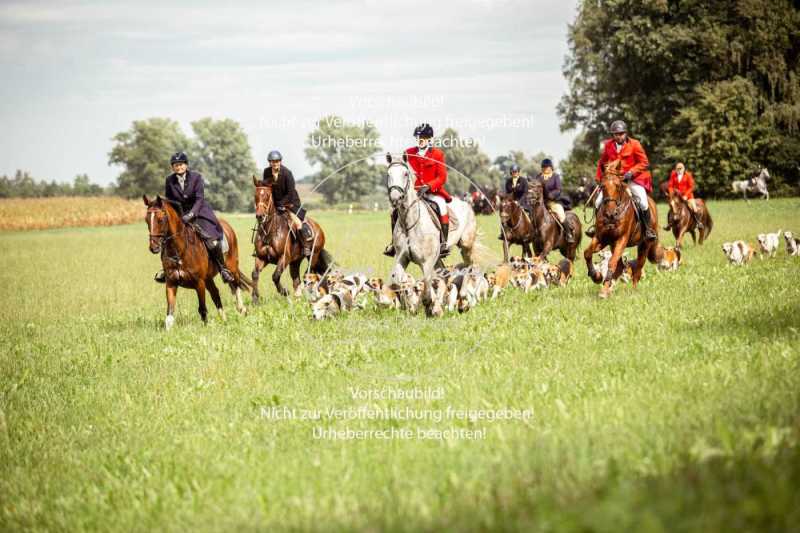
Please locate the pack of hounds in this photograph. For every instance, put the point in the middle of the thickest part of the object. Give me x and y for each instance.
(741, 252)
(453, 289)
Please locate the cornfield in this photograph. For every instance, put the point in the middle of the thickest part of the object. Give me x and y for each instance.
(66, 211)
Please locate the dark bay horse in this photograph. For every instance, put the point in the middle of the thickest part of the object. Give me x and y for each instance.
(547, 234)
(515, 226)
(617, 227)
(274, 244)
(682, 220)
(185, 259)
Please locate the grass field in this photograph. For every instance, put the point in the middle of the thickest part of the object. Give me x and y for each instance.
(60, 212)
(672, 407)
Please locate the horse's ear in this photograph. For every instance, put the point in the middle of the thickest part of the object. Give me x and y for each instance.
(146, 201)
(255, 180)
(405, 157)
(158, 200)
(388, 158)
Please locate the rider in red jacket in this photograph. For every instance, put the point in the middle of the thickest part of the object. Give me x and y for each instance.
(635, 168)
(428, 163)
(682, 181)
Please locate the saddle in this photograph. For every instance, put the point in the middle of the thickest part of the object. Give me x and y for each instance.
(433, 208)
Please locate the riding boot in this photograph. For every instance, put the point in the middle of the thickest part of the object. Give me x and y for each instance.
(669, 222)
(307, 235)
(216, 255)
(160, 277)
(443, 251)
(390, 251)
(649, 232)
(569, 233)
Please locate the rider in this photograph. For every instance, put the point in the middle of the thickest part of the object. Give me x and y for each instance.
(682, 181)
(556, 203)
(185, 188)
(517, 186)
(428, 163)
(284, 194)
(634, 165)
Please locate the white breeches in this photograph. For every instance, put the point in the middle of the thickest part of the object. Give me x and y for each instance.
(439, 202)
(637, 191)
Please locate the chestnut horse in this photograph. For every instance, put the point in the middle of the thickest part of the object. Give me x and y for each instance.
(682, 220)
(547, 234)
(185, 259)
(274, 244)
(515, 226)
(617, 226)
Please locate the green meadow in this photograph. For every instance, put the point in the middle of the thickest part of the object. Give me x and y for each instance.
(671, 407)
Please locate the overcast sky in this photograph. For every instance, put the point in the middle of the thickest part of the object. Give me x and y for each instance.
(76, 73)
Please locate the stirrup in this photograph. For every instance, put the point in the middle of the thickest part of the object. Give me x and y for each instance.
(590, 231)
(444, 251)
(389, 251)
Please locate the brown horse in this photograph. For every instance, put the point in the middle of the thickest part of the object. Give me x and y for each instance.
(274, 244)
(682, 220)
(515, 226)
(617, 226)
(185, 259)
(547, 234)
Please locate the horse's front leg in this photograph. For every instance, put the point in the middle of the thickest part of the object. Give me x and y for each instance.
(276, 276)
(201, 300)
(214, 292)
(588, 254)
(294, 272)
(171, 293)
(427, 274)
(616, 255)
(526, 250)
(641, 259)
(257, 268)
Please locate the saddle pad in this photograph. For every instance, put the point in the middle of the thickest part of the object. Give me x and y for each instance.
(435, 217)
(225, 246)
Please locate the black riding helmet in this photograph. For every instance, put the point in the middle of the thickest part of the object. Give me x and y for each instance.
(514, 168)
(423, 130)
(178, 157)
(274, 156)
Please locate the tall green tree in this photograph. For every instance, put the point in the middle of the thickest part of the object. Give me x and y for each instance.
(654, 63)
(143, 152)
(465, 156)
(343, 152)
(221, 152)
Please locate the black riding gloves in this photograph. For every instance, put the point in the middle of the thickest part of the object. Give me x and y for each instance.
(187, 217)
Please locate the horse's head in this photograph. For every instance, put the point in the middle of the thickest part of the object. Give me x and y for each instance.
(612, 185)
(536, 191)
(157, 220)
(675, 201)
(507, 207)
(263, 200)
(399, 178)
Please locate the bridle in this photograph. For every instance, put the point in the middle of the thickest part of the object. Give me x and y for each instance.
(268, 217)
(621, 208)
(164, 237)
(402, 190)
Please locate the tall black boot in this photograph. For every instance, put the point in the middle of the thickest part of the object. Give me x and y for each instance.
(697, 220)
(307, 235)
(215, 252)
(649, 233)
(669, 221)
(443, 251)
(389, 250)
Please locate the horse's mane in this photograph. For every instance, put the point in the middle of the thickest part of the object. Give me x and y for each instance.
(613, 169)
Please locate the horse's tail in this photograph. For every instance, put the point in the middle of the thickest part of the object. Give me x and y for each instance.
(709, 224)
(244, 280)
(325, 262)
(656, 253)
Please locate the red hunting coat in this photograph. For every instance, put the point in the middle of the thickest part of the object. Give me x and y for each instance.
(633, 159)
(430, 170)
(685, 187)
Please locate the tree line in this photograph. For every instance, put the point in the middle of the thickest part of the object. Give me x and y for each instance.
(713, 84)
(23, 185)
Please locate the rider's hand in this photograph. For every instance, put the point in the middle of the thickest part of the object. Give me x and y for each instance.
(423, 189)
(187, 217)
(628, 176)
(281, 209)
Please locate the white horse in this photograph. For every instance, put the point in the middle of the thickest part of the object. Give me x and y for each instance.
(756, 185)
(416, 236)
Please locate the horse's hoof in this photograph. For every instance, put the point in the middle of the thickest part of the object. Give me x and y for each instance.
(169, 322)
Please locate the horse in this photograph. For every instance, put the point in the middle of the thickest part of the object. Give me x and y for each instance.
(515, 225)
(274, 244)
(483, 203)
(682, 220)
(416, 235)
(185, 259)
(755, 185)
(617, 226)
(547, 233)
